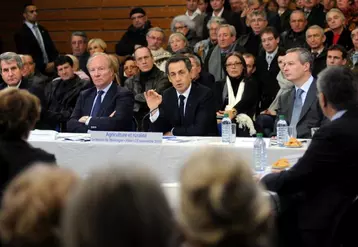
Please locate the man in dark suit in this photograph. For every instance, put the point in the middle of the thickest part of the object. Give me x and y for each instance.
(34, 39)
(198, 75)
(79, 41)
(107, 106)
(267, 66)
(284, 12)
(300, 105)
(186, 109)
(315, 39)
(314, 12)
(10, 67)
(295, 36)
(324, 180)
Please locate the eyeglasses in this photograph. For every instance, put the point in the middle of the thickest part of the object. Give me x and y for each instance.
(180, 27)
(233, 65)
(156, 38)
(137, 17)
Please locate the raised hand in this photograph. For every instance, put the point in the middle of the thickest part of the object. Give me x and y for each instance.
(153, 99)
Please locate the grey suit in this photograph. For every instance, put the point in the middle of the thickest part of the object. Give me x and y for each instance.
(311, 115)
(199, 24)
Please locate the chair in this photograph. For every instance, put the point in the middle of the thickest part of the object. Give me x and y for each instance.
(345, 234)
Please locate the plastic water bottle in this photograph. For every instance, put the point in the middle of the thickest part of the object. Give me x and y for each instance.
(260, 154)
(226, 129)
(282, 131)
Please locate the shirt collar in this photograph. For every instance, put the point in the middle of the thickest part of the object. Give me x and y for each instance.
(306, 86)
(105, 90)
(319, 51)
(17, 86)
(273, 54)
(338, 114)
(220, 13)
(186, 93)
(195, 13)
(30, 25)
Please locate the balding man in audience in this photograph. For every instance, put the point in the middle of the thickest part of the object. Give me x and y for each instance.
(155, 38)
(107, 106)
(336, 56)
(295, 37)
(315, 39)
(79, 41)
(28, 71)
(322, 192)
(136, 33)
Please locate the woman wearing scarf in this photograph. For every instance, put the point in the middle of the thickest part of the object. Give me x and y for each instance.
(237, 94)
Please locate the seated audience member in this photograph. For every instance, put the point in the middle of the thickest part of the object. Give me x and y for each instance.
(76, 68)
(128, 208)
(96, 45)
(284, 12)
(186, 109)
(250, 61)
(107, 106)
(353, 53)
(177, 42)
(271, 6)
(135, 35)
(237, 94)
(300, 4)
(266, 120)
(149, 77)
(221, 205)
(127, 69)
(194, 13)
(10, 67)
(79, 49)
(19, 111)
(300, 105)
(336, 56)
(325, 191)
(267, 66)
(295, 37)
(328, 5)
(338, 34)
(273, 19)
(314, 12)
(183, 24)
(32, 206)
(155, 38)
(251, 41)
(62, 94)
(198, 75)
(216, 56)
(202, 47)
(115, 65)
(202, 6)
(315, 39)
(35, 78)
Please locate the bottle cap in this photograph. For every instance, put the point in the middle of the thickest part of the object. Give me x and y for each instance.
(282, 117)
(259, 135)
(226, 114)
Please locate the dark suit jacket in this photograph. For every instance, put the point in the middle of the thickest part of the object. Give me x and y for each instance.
(311, 114)
(326, 175)
(206, 79)
(200, 115)
(247, 104)
(319, 63)
(285, 20)
(344, 40)
(227, 15)
(116, 99)
(15, 156)
(317, 16)
(268, 85)
(26, 43)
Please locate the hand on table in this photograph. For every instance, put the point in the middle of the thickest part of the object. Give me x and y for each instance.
(168, 133)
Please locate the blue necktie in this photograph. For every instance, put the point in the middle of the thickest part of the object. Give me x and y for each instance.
(297, 108)
(97, 104)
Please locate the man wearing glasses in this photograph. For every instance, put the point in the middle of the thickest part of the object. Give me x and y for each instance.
(136, 33)
(155, 38)
(34, 39)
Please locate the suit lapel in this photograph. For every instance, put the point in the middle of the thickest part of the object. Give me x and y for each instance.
(291, 99)
(30, 33)
(190, 103)
(108, 99)
(89, 102)
(310, 98)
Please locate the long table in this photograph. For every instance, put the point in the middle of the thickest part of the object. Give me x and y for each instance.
(165, 159)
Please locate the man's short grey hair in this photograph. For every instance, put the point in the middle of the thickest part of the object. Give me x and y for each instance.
(337, 11)
(258, 13)
(231, 28)
(80, 34)
(8, 57)
(156, 29)
(298, 11)
(315, 27)
(304, 55)
(339, 85)
(182, 19)
(196, 59)
(217, 20)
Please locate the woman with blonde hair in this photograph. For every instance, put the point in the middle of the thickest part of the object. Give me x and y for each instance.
(32, 205)
(220, 203)
(76, 67)
(96, 45)
(177, 42)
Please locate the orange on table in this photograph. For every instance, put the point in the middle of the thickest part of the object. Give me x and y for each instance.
(293, 142)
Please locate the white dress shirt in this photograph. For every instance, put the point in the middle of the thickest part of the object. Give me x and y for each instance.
(195, 14)
(305, 87)
(338, 115)
(155, 116)
(220, 13)
(31, 26)
(272, 55)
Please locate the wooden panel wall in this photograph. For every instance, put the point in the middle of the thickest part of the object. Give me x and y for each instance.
(106, 19)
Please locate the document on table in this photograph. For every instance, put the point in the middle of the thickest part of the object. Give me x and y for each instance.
(73, 137)
(43, 135)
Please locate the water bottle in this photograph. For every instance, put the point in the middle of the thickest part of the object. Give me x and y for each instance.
(260, 154)
(226, 129)
(282, 131)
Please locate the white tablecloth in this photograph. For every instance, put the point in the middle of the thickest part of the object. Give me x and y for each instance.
(165, 159)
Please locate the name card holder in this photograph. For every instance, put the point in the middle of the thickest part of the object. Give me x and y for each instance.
(126, 137)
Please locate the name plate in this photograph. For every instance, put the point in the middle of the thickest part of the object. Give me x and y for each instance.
(126, 137)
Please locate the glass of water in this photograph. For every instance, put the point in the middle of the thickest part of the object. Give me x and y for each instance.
(233, 133)
(292, 132)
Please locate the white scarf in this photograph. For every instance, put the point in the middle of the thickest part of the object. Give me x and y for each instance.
(232, 99)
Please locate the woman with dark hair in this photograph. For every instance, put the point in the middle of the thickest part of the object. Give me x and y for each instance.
(220, 203)
(19, 112)
(127, 69)
(237, 94)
